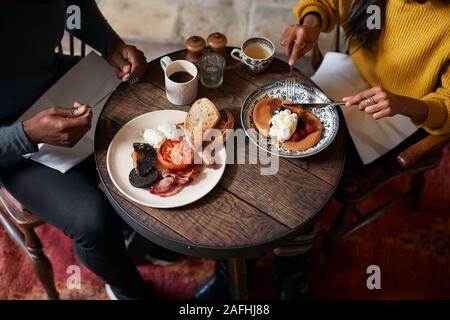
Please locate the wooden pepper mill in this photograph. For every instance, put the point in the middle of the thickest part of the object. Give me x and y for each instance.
(196, 46)
(217, 42)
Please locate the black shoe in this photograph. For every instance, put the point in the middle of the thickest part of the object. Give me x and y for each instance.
(217, 287)
(143, 293)
(162, 257)
(143, 251)
(292, 278)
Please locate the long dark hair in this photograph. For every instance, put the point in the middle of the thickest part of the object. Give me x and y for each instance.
(355, 25)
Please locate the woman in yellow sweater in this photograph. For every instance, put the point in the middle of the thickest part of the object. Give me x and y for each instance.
(407, 64)
(407, 60)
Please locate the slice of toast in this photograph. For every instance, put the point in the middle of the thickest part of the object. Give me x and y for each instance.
(226, 122)
(202, 116)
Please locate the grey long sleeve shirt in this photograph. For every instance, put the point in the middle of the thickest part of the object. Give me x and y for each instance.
(30, 30)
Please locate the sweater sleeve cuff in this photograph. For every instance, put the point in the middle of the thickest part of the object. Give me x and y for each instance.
(438, 118)
(22, 139)
(300, 12)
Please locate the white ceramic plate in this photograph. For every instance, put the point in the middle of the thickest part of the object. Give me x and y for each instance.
(297, 92)
(119, 163)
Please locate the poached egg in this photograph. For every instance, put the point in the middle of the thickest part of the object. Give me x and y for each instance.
(164, 131)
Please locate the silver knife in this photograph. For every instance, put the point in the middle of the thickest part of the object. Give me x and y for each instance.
(315, 105)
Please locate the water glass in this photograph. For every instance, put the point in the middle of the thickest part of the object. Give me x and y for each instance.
(212, 66)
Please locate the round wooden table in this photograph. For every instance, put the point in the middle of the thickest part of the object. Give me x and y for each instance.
(247, 214)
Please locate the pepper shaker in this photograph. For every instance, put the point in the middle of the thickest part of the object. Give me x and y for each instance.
(217, 42)
(195, 46)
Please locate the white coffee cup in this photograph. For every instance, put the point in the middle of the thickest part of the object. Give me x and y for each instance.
(180, 93)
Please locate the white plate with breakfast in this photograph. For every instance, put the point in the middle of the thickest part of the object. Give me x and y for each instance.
(273, 122)
(151, 159)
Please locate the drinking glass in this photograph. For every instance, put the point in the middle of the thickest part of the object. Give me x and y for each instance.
(212, 66)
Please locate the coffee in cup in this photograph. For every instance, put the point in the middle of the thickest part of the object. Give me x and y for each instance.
(181, 79)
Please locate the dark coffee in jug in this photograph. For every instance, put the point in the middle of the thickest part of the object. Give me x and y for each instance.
(181, 77)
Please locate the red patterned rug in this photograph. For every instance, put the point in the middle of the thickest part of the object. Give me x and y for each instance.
(412, 250)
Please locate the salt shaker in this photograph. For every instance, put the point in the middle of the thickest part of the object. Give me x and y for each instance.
(195, 46)
(217, 42)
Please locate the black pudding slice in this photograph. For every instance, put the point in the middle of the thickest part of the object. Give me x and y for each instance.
(143, 182)
(144, 158)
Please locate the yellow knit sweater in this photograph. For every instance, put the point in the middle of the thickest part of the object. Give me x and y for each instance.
(412, 57)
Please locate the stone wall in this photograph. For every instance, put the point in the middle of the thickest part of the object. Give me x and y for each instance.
(172, 21)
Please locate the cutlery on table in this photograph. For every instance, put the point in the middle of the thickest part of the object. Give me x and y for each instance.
(315, 105)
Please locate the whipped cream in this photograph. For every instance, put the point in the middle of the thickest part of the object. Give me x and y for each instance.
(283, 125)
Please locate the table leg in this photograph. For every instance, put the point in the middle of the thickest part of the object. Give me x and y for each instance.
(237, 269)
(291, 265)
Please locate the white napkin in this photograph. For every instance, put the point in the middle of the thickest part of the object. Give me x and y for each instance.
(87, 82)
(338, 77)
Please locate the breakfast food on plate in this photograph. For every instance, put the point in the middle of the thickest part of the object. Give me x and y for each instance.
(154, 137)
(144, 158)
(176, 154)
(164, 131)
(166, 170)
(226, 122)
(142, 182)
(169, 130)
(143, 173)
(293, 128)
(283, 124)
(172, 182)
(202, 116)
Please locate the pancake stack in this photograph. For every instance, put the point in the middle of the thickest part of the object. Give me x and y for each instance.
(263, 112)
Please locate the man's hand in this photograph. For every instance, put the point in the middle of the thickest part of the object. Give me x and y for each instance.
(298, 39)
(59, 126)
(127, 60)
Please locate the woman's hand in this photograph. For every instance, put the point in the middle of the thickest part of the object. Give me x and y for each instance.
(381, 103)
(127, 60)
(298, 39)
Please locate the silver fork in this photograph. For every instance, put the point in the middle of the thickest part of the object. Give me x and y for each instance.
(290, 89)
(133, 80)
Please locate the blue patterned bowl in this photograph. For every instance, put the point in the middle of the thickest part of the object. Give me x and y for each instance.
(297, 92)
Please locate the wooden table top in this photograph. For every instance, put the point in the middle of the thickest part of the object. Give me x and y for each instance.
(247, 213)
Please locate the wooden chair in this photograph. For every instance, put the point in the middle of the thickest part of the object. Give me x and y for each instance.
(72, 46)
(414, 161)
(20, 223)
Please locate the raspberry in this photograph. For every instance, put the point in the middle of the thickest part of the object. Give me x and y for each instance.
(309, 128)
(298, 135)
